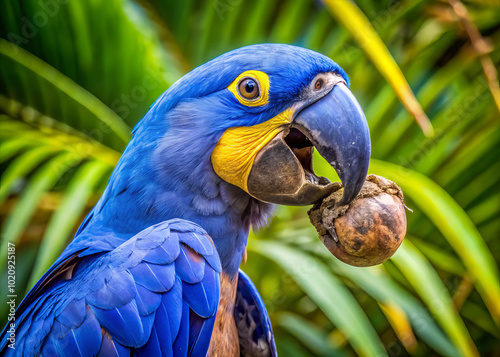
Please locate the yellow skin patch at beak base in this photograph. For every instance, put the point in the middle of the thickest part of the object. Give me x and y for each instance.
(234, 154)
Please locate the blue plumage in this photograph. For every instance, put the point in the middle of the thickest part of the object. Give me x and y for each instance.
(115, 301)
(139, 277)
(83, 340)
(252, 320)
(197, 295)
(189, 270)
(73, 314)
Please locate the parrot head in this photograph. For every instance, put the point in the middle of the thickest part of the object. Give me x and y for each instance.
(255, 115)
(271, 159)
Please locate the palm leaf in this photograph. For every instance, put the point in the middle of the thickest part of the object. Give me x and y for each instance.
(41, 182)
(354, 20)
(427, 283)
(311, 336)
(328, 292)
(378, 284)
(62, 223)
(67, 86)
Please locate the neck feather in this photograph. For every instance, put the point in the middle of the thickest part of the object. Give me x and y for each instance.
(175, 179)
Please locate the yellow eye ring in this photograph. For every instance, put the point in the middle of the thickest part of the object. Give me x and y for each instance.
(259, 88)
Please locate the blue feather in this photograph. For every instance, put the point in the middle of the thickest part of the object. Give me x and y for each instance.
(152, 347)
(166, 253)
(37, 330)
(73, 314)
(200, 297)
(173, 303)
(200, 341)
(180, 346)
(110, 348)
(251, 315)
(200, 245)
(157, 278)
(145, 239)
(59, 330)
(157, 302)
(112, 288)
(167, 324)
(195, 326)
(49, 349)
(85, 340)
(147, 301)
(125, 324)
(190, 265)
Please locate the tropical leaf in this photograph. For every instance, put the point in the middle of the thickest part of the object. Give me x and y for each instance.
(426, 282)
(378, 284)
(41, 182)
(61, 224)
(311, 336)
(354, 20)
(328, 293)
(67, 86)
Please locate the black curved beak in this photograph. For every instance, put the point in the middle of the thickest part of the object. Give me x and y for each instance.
(336, 125)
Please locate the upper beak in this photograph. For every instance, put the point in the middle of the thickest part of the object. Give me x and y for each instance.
(336, 125)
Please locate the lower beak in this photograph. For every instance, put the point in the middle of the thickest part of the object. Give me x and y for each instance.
(335, 124)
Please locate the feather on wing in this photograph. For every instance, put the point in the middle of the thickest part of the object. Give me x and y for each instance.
(140, 297)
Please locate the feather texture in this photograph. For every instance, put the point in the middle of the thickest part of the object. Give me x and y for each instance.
(122, 302)
(254, 327)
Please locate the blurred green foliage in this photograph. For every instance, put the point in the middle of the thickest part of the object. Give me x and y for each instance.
(75, 76)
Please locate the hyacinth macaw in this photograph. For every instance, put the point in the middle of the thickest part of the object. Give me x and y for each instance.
(154, 267)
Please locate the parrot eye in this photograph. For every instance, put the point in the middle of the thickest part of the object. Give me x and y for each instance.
(319, 84)
(249, 88)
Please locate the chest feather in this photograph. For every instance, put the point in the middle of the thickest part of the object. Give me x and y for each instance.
(224, 341)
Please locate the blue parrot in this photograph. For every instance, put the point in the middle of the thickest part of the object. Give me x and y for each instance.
(153, 269)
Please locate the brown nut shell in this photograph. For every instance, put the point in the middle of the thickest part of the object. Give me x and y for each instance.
(369, 230)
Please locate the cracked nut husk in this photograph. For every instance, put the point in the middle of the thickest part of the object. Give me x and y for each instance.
(369, 230)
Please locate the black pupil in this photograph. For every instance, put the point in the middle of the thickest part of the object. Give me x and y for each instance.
(250, 86)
